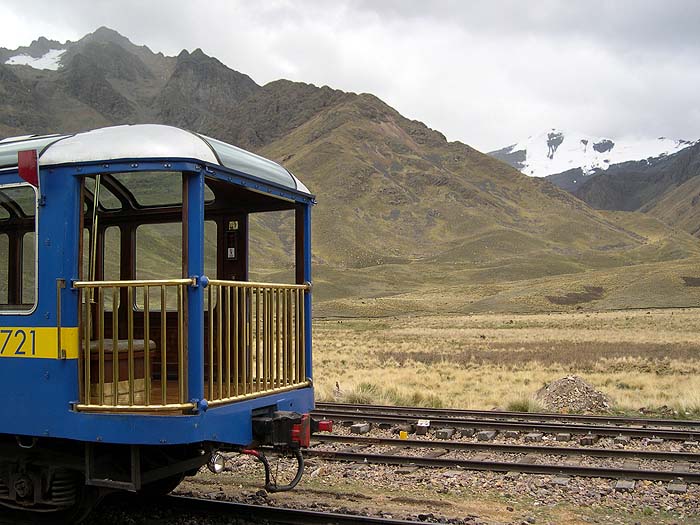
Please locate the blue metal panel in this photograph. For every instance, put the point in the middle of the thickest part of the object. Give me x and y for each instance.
(38, 391)
(242, 179)
(10, 177)
(126, 165)
(179, 164)
(57, 241)
(59, 236)
(307, 278)
(195, 294)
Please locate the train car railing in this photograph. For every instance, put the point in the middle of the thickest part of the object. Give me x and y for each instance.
(133, 357)
(255, 339)
(134, 354)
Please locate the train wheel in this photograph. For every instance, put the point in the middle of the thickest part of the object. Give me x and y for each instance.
(74, 514)
(78, 502)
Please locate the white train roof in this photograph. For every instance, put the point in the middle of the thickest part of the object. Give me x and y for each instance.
(147, 141)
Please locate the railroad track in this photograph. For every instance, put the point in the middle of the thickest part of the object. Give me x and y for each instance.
(503, 448)
(246, 513)
(427, 413)
(528, 462)
(514, 421)
(508, 466)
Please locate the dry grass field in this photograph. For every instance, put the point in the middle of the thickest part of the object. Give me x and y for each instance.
(643, 359)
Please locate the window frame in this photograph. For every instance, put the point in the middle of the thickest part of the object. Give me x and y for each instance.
(36, 251)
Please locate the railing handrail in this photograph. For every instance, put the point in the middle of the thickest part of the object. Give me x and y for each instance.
(141, 282)
(253, 284)
(190, 281)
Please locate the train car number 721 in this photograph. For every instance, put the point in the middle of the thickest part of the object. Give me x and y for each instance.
(17, 342)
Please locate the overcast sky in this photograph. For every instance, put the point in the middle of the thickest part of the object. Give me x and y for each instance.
(487, 73)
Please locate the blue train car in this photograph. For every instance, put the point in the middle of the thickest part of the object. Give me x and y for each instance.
(133, 344)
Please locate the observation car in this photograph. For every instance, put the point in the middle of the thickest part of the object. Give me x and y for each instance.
(133, 344)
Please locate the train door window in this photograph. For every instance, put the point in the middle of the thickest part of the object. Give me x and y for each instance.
(18, 262)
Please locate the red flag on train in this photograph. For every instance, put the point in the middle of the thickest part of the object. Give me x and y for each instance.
(28, 164)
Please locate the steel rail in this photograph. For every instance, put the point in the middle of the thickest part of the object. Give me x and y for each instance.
(268, 514)
(427, 413)
(658, 455)
(507, 466)
(520, 426)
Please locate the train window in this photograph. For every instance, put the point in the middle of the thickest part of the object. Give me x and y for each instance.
(112, 253)
(208, 194)
(28, 268)
(159, 251)
(157, 188)
(272, 246)
(153, 188)
(85, 262)
(108, 200)
(22, 197)
(112, 262)
(17, 248)
(159, 255)
(210, 260)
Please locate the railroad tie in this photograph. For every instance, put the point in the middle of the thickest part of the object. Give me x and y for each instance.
(677, 487)
(528, 459)
(682, 468)
(435, 453)
(588, 439)
(624, 485)
(631, 464)
(355, 449)
(561, 481)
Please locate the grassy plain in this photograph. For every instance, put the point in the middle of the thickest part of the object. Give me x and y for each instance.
(643, 359)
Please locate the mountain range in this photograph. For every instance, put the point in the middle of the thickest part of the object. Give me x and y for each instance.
(556, 151)
(406, 221)
(658, 177)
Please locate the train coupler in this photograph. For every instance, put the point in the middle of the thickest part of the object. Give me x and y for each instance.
(287, 430)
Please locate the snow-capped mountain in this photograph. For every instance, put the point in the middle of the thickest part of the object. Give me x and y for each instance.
(40, 54)
(49, 60)
(555, 151)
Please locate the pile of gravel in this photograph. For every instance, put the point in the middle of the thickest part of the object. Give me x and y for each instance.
(572, 394)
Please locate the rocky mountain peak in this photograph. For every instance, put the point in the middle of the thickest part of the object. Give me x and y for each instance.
(107, 35)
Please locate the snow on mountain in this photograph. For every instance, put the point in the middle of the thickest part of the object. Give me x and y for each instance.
(50, 60)
(556, 151)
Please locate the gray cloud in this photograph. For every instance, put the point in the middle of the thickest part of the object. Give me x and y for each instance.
(483, 72)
